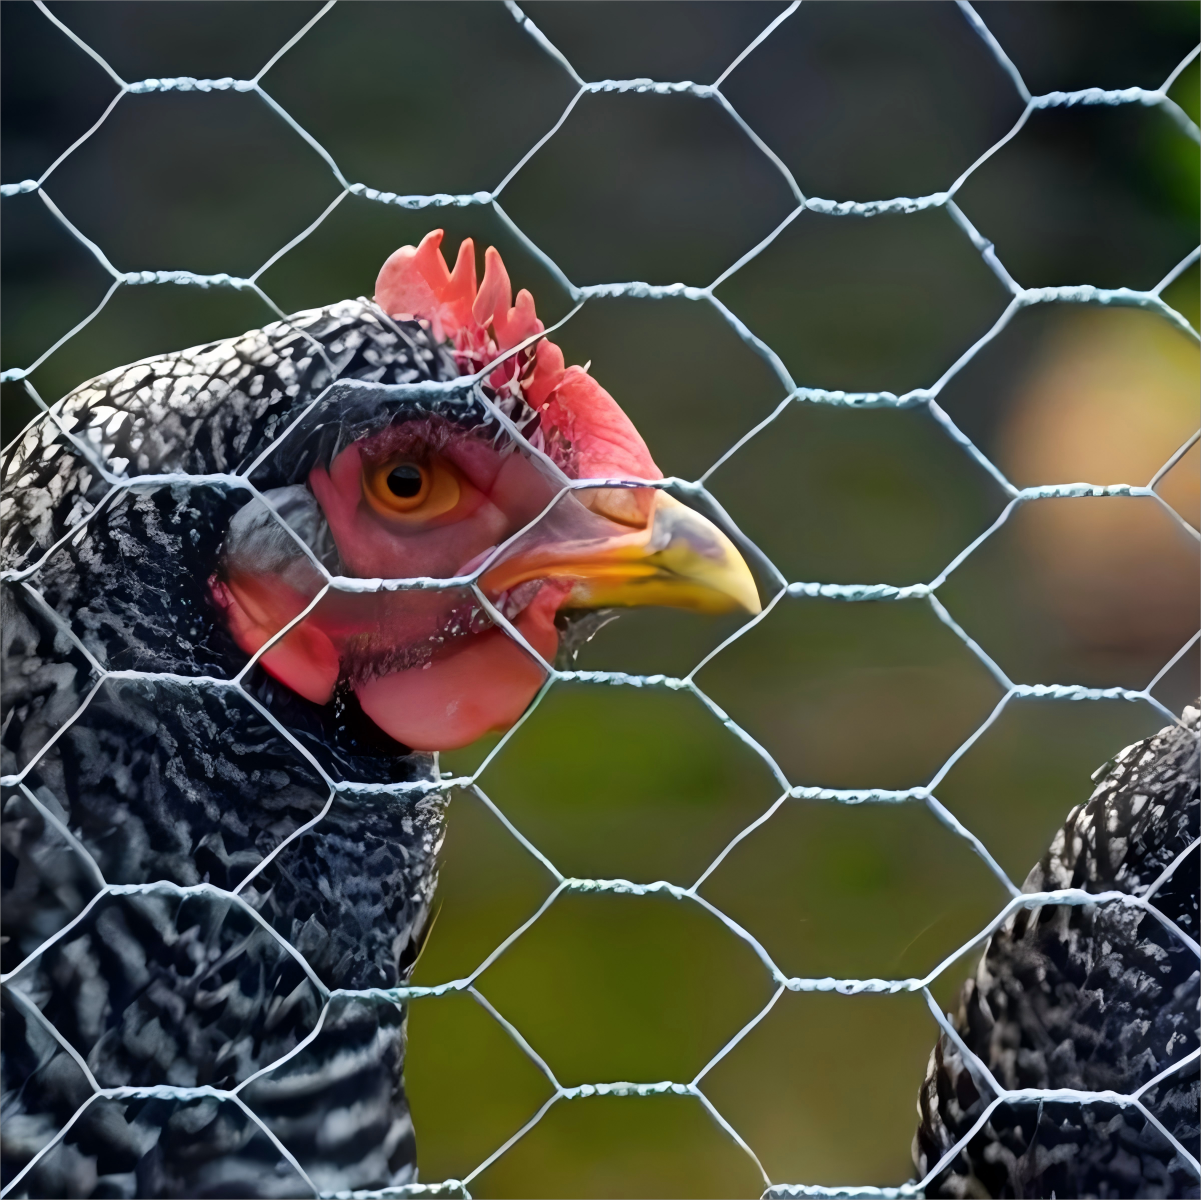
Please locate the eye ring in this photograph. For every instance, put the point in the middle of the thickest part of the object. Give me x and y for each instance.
(403, 487)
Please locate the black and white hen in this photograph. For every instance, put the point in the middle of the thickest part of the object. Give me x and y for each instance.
(212, 885)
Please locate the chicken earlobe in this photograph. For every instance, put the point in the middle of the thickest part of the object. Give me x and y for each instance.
(265, 574)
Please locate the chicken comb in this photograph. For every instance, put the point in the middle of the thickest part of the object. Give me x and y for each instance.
(482, 323)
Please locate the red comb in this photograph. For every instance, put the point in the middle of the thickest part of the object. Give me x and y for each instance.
(416, 283)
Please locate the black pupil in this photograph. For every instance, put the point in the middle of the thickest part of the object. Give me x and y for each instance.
(405, 481)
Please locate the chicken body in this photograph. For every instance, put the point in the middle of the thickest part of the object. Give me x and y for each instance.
(1091, 998)
(180, 793)
(217, 871)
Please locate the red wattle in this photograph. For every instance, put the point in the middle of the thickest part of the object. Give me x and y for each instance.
(485, 686)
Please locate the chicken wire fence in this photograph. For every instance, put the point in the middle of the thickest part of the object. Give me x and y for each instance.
(50, 424)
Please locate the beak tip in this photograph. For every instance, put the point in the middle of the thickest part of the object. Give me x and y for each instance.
(744, 593)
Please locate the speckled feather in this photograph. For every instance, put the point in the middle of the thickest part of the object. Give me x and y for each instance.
(160, 780)
(1090, 998)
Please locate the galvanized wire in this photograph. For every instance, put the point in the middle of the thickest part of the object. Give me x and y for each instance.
(785, 590)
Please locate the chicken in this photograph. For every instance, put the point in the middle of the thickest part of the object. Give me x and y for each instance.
(1086, 998)
(214, 869)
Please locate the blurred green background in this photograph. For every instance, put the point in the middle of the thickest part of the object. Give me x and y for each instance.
(863, 101)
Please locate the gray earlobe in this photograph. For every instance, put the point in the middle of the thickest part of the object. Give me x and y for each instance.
(257, 540)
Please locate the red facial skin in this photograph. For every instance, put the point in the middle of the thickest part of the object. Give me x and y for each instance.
(419, 672)
(485, 686)
(459, 686)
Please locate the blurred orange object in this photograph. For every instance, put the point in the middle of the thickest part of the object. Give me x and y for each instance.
(1110, 397)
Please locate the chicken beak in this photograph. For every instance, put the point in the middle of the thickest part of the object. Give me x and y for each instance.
(678, 560)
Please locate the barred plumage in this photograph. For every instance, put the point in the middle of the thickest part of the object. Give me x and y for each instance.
(1090, 998)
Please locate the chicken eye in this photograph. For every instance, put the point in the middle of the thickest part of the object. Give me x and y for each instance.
(403, 488)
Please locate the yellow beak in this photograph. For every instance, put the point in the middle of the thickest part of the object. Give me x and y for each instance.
(679, 560)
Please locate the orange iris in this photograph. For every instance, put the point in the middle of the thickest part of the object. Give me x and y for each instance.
(411, 490)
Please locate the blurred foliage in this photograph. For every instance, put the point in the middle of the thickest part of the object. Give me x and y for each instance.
(862, 101)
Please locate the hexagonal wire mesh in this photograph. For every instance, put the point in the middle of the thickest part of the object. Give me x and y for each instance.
(925, 593)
